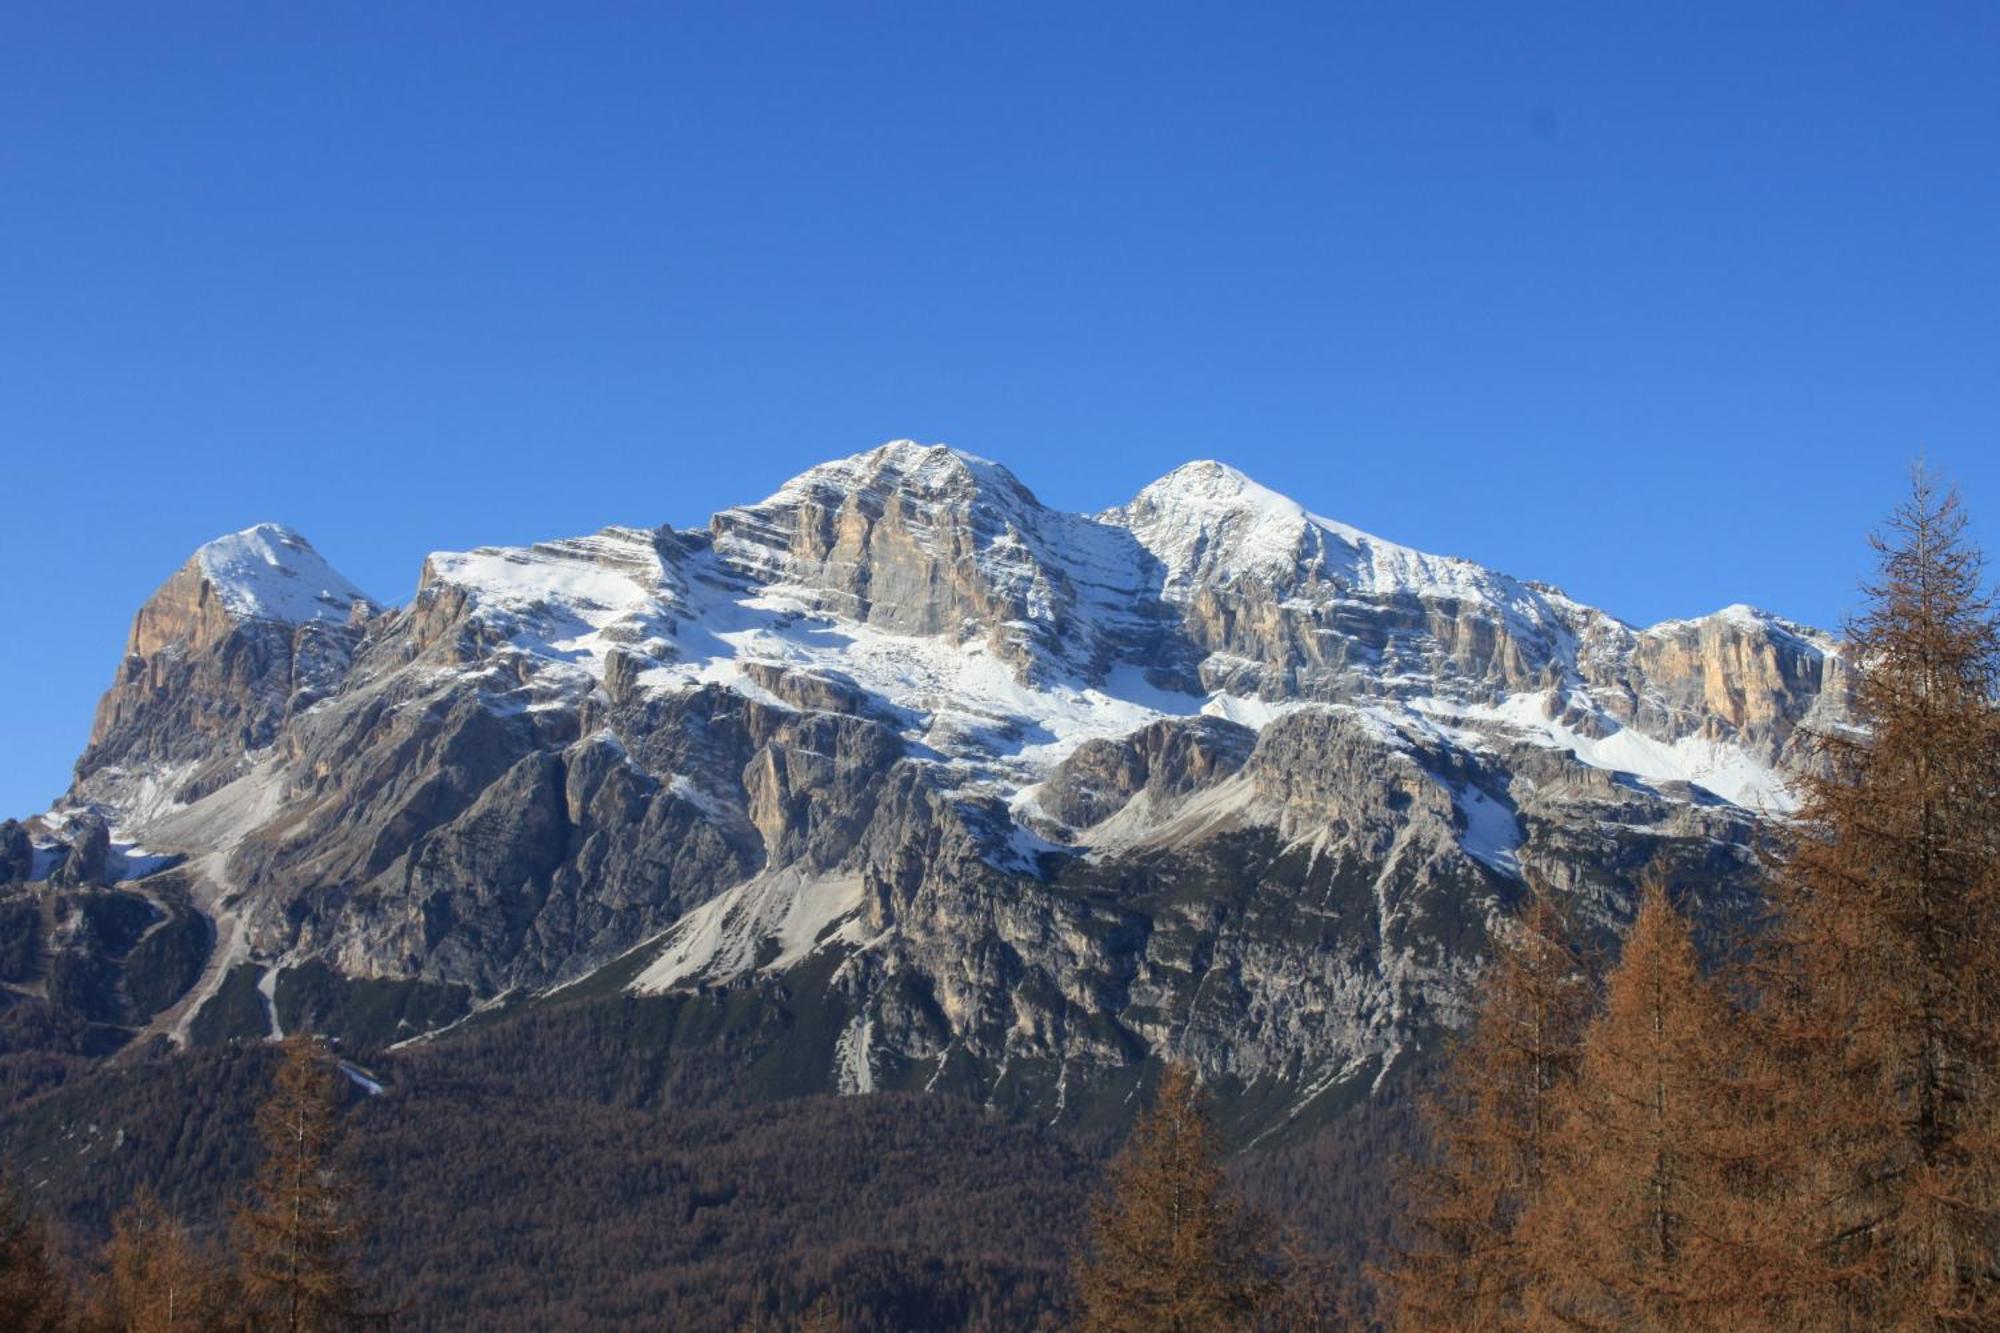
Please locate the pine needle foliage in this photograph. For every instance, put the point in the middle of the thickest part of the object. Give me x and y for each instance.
(296, 1235)
(1648, 1210)
(1493, 1130)
(34, 1297)
(1885, 1000)
(1171, 1251)
(159, 1280)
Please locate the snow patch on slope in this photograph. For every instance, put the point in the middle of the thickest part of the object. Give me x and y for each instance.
(1492, 833)
(361, 1078)
(1717, 766)
(267, 987)
(854, 1069)
(954, 702)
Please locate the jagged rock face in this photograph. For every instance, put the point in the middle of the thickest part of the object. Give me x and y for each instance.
(1286, 919)
(17, 852)
(253, 629)
(1284, 604)
(936, 543)
(440, 837)
(88, 854)
(86, 965)
(1734, 675)
(1168, 759)
(910, 542)
(1014, 797)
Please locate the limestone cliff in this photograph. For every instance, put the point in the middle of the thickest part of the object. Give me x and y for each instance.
(1007, 798)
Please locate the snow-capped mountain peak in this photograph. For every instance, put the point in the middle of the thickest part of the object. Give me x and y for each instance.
(1209, 524)
(269, 572)
(926, 470)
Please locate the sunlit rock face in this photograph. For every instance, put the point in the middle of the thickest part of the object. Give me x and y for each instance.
(253, 629)
(1006, 799)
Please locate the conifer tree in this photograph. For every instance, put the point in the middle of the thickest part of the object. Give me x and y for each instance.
(1493, 1128)
(822, 1316)
(1170, 1250)
(34, 1298)
(1886, 956)
(1309, 1293)
(1645, 1214)
(158, 1280)
(295, 1237)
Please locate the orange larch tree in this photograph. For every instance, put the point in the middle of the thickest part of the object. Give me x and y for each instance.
(1493, 1129)
(1883, 1002)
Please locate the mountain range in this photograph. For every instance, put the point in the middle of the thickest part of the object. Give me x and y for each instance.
(902, 778)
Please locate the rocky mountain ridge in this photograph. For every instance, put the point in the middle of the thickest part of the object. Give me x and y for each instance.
(1009, 799)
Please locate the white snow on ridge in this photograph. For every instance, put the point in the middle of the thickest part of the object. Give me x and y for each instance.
(951, 701)
(1750, 619)
(269, 572)
(1208, 522)
(568, 602)
(700, 616)
(926, 466)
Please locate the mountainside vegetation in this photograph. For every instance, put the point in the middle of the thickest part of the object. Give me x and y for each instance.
(1807, 1139)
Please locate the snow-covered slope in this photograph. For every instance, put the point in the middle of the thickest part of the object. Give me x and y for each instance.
(563, 606)
(996, 635)
(1212, 526)
(1015, 633)
(269, 572)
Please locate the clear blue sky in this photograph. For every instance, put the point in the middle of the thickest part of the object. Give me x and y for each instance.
(1654, 302)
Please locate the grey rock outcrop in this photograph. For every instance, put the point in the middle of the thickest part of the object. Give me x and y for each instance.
(1011, 798)
(1167, 759)
(17, 852)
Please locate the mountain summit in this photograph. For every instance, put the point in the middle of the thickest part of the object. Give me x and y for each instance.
(986, 795)
(268, 572)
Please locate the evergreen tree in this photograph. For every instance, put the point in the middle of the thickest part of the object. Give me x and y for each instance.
(34, 1298)
(1309, 1293)
(158, 1280)
(1644, 1217)
(823, 1316)
(295, 1237)
(1493, 1129)
(1885, 1000)
(1170, 1250)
